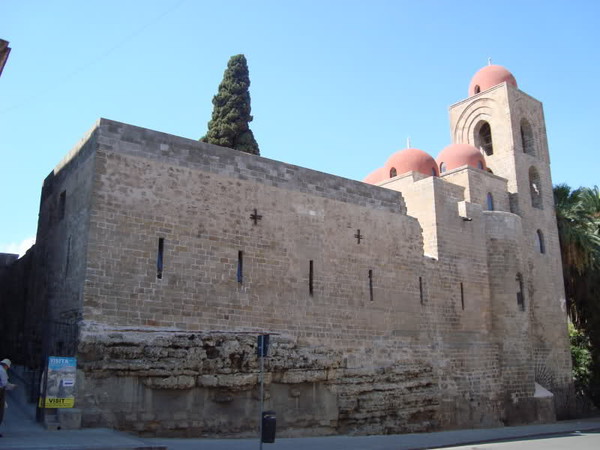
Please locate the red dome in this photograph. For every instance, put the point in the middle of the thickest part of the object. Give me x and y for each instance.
(377, 176)
(457, 155)
(411, 159)
(488, 77)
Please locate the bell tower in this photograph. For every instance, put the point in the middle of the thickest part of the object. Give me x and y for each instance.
(508, 127)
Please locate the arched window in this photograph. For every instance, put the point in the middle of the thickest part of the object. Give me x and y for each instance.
(520, 295)
(442, 167)
(490, 201)
(541, 244)
(480, 165)
(527, 137)
(393, 172)
(483, 137)
(477, 89)
(434, 172)
(535, 188)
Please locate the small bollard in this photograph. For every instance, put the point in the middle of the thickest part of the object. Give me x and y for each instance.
(269, 422)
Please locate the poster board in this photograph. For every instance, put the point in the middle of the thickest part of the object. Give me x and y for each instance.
(60, 383)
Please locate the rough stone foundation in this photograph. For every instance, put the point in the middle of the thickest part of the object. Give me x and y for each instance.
(195, 384)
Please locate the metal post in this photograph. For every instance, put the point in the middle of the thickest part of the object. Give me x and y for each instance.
(262, 379)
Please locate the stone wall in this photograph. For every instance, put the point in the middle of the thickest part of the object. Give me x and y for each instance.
(159, 260)
(61, 246)
(204, 221)
(400, 341)
(204, 384)
(478, 184)
(6, 259)
(504, 107)
(20, 319)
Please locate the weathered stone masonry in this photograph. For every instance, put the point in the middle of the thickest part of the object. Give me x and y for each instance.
(392, 309)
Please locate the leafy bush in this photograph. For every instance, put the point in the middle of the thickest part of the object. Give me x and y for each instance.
(582, 359)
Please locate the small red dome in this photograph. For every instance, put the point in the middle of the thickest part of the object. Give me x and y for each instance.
(377, 176)
(457, 155)
(490, 76)
(411, 159)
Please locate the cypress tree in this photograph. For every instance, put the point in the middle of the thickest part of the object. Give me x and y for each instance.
(231, 113)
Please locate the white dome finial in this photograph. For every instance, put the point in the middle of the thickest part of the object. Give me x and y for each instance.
(489, 60)
(408, 142)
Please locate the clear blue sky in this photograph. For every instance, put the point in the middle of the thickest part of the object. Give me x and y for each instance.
(337, 85)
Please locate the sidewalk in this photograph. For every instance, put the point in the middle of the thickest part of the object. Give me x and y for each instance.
(387, 442)
(21, 431)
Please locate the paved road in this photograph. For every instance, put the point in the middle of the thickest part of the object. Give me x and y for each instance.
(572, 441)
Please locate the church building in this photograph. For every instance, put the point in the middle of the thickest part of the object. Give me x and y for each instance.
(427, 297)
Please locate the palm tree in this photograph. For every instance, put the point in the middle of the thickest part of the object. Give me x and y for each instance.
(578, 215)
(578, 219)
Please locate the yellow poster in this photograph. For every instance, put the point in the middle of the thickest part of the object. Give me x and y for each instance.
(60, 383)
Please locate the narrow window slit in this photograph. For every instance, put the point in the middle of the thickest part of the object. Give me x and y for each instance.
(541, 244)
(62, 203)
(371, 284)
(462, 296)
(310, 277)
(240, 267)
(520, 296)
(421, 289)
(490, 201)
(160, 257)
(68, 257)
